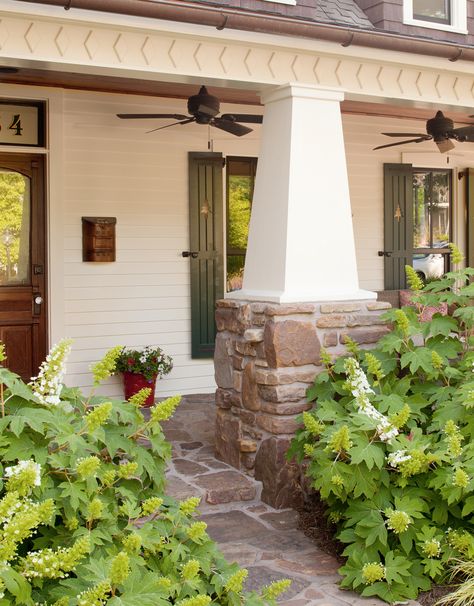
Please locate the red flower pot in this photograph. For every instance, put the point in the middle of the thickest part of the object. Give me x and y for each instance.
(132, 384)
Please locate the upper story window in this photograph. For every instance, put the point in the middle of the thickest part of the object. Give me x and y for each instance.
(292, 2)
(446, 15)
(438, 11)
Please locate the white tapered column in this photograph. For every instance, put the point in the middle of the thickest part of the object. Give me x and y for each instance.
(301, 242)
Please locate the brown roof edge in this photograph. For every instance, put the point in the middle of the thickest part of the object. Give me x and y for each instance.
(229, 18)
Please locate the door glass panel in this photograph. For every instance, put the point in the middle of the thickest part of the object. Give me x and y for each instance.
(432, 10)
(431, 222)
(14, 228)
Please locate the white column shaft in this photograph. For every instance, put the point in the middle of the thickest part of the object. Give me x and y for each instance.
(301, 241)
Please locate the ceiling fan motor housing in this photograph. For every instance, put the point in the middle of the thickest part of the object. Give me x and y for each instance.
(439, 127)
(203, 100)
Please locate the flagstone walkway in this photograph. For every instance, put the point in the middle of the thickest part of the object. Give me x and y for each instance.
(264, 540)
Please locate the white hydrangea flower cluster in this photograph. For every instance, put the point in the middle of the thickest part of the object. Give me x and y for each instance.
(46, 565)
(21, 466)
(360, 389)
(47, 386)
(399, 456)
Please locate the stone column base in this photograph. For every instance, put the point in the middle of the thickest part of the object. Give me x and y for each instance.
(266, 357)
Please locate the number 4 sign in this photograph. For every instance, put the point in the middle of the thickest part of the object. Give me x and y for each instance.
(22, 123)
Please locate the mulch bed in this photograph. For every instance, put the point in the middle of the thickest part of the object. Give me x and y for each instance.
(313, 522)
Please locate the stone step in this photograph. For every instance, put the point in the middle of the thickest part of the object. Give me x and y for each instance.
(214, 488)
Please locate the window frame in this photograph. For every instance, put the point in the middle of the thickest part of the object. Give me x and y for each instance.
(458, 18)
(290, 2)
(252, 163)
(445, 251)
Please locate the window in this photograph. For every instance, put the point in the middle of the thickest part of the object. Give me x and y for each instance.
(431, 221)
(447, 15)
(292, 2)
(438, 11)
(240, 184)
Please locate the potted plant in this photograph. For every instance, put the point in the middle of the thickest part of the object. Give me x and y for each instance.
(141, 368)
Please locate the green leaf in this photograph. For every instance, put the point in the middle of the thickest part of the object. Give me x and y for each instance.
(392, 342)
(15, 385)
(447, 347)
(369, 453)
(465, 314)
(396, 567)
(16, 425)
(406, 540)
(441, 325)
(364, 481)
(418, 359)
(75, 493)
(468, 507)
(16, 584)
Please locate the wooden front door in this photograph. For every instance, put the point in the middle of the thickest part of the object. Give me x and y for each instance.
(23, 262)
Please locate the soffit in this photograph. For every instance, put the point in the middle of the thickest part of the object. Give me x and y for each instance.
(181, 90)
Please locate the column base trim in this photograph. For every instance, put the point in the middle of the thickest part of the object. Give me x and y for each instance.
(315, 297)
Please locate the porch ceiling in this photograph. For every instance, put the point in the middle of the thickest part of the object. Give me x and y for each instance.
(182, 90)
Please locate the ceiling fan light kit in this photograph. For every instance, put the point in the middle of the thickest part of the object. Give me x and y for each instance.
(203, 108)
(439, 129)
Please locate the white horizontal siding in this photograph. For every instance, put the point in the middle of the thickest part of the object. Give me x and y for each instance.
(111, 167)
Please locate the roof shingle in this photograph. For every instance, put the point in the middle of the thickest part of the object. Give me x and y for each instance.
(334, 12)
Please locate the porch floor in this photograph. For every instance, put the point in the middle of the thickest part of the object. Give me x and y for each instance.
(264, 540)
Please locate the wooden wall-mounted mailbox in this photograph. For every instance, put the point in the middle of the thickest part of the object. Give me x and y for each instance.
(98, 239)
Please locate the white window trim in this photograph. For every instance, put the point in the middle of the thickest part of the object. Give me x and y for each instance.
(458, 18)
(292, 2)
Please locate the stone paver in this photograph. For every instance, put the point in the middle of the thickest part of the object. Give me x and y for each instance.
(264, 540)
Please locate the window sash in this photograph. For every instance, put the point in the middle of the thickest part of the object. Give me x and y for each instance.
(447, 20)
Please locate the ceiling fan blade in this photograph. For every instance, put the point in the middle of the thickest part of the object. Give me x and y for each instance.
(148, 116)
(419, 140)
(406, 135)
(230, 127)
(208, 111)
(173, 124)
(445, 145)
(248, 118)
(464, 133)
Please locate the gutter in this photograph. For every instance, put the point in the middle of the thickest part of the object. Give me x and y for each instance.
(230, 18)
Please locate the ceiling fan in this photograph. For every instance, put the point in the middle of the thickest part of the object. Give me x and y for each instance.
(440, 129)
(203, 109)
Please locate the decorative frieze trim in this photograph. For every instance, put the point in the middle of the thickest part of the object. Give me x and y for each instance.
(236, 56)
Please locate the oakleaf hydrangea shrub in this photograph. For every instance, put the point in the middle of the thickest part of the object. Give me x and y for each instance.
(389, 445)
(84, 519)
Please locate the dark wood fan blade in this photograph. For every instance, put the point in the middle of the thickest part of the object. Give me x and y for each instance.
(231, 127)
(173, 124)
(148, 116)
(208, 111)
(419, 140)
(248, 118)
(464, 133)
(406, 135)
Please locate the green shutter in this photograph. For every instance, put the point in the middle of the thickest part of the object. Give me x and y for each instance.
(398, 223)
(206, 239)
(469, 175)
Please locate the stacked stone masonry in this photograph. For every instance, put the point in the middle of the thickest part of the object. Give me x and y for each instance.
(266, 356)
